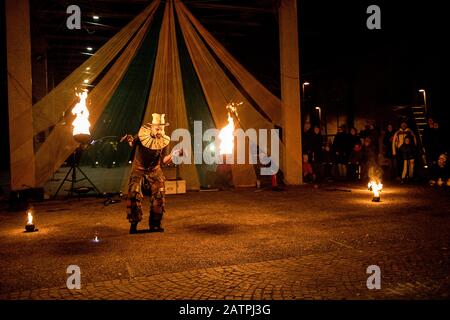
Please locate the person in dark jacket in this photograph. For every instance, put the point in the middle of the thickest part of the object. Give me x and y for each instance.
(437, 142)
(370, 131)
(440, 172)
(354, 162)
(408, 153)
(341, 151)
(387, 141)
(369, 160)
(387, 150)
(354, 138)
(316, 148)
(327, 163)
(398, 140)
(307, 139)
(427, 139)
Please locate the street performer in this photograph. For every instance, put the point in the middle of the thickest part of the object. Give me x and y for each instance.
(151, 144)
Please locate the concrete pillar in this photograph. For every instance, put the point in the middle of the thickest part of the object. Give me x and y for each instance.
(290, 92)
(19, 94)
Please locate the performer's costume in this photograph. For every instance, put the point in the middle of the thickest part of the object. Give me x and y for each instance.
(146, 173)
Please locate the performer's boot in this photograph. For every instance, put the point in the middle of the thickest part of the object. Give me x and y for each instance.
(133, 227)
(155, 222)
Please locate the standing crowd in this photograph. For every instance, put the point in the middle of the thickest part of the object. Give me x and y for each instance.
(389, 154)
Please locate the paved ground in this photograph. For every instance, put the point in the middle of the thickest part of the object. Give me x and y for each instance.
(304, 243)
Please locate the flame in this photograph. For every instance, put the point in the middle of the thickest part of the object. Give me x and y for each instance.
(30, 218)
(376, 187)
(81, 123)
(226, 136)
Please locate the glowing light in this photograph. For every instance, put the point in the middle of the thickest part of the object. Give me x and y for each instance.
(227, 138)
(86, 81)
(95, 17)
(226, 134)
(81, 123)
(30, 218)
(96, 237)
(89, 49)
(376, 188)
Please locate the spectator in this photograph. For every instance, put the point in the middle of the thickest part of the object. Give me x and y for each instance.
(438, 142)
(354, 138)
(307, 139)
(408, 154)
(341, 151)
(387, 150)
(327, 159)
(316, 145)
(366, 132)
(355, 161)
(440, 172)
(308, 173)
(429, 140)
(369, 160)
(388, 138)
(427, 133)
(397, 141)
(373, 133)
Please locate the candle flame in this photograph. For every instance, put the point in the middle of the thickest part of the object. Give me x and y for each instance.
(376, 187)
(30, 218)
(81, 123)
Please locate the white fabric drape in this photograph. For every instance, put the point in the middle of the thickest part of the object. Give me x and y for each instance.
(48, 111)
(60, 143)
(166, 94)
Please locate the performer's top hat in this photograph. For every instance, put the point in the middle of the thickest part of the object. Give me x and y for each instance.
(158, 120)
(150, 141)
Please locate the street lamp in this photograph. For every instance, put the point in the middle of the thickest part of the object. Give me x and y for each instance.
(424, 98)
(303, 88)
(320, 114)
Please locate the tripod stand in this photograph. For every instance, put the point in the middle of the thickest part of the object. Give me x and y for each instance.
(73, 180)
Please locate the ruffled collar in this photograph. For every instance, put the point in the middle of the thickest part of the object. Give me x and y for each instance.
(151, 142)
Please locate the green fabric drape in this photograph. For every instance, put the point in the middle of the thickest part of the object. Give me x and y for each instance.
(196, 105)
(124, 112)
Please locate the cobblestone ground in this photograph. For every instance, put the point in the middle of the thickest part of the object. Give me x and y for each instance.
(313, 251)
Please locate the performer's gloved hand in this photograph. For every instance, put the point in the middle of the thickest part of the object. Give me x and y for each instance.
(129, 138)
(176, 154)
